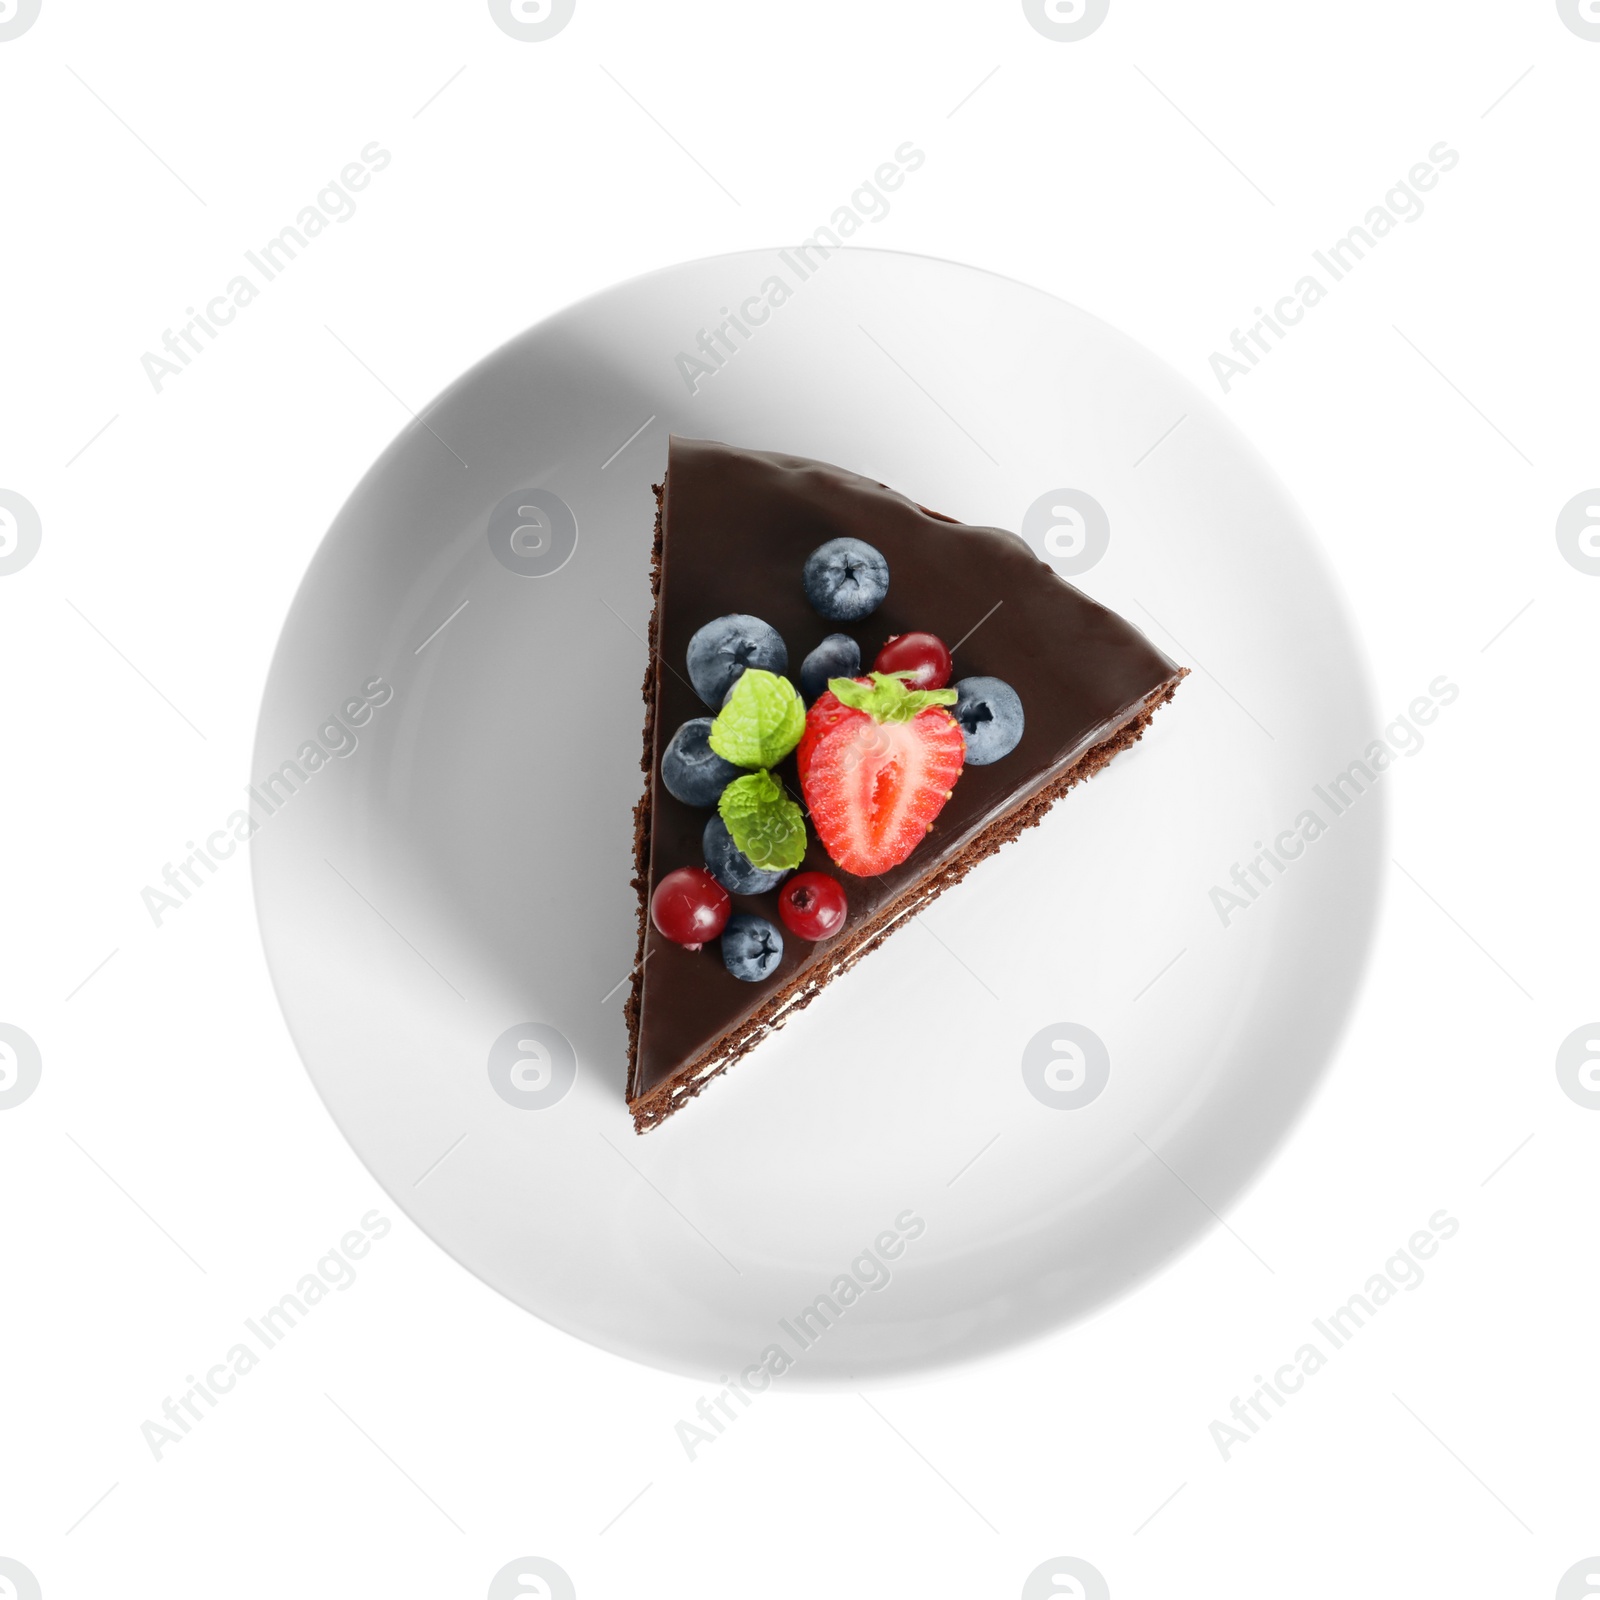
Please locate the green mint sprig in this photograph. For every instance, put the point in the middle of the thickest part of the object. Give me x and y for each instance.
(765, 823)
(761, 722)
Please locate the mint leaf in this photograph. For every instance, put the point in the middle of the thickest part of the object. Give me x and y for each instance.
(761, 722)
(765, 823)
(887, 699)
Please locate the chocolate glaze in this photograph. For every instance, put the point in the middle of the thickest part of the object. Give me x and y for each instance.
(736, 528)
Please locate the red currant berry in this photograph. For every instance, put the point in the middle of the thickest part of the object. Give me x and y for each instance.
(689, 907)
(921, 654)
(812, 906)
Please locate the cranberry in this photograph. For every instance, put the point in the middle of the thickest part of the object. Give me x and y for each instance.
(812, 906)
(921, 654)
(689, 907)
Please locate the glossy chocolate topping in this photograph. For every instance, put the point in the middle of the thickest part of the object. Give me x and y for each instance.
(737, 526)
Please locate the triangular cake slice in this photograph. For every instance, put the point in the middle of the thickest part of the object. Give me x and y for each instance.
(734, 529)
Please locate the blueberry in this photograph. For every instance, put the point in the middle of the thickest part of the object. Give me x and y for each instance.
(990, 715)
(838, 656)
(731, 867)
(846, 579)
(692, 771)
(722, 649)
(751, 947)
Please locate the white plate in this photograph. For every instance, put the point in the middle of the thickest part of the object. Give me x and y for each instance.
(464, 871)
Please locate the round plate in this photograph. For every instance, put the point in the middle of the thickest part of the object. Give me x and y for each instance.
(1024, 1102)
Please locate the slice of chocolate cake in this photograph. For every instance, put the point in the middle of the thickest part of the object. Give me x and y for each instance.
(894, 775)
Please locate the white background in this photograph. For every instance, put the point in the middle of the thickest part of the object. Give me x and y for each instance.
(175, 1173)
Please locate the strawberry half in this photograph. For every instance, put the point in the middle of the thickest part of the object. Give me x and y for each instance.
(877, 763)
